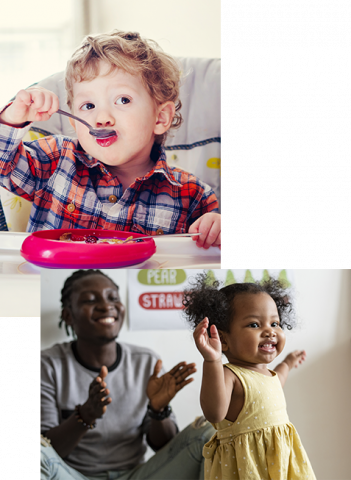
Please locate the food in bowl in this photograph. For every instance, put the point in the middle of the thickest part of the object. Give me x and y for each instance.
(73, 237)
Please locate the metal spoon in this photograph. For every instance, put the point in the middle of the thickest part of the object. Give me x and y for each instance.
(167, 235)
(95, 132)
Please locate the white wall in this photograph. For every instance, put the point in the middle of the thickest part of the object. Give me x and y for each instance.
(317, 393)
(183, 28)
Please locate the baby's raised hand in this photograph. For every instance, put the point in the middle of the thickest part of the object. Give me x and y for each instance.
(295, 358)
(209, 225)
(210, 347)
(34, 104)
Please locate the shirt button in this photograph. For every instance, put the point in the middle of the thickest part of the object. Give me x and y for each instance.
(71, 207)
(112, 198)
(159, 231)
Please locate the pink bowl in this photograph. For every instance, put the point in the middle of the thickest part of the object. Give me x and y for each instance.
(46, 250)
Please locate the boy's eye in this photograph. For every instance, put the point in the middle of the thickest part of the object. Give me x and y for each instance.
(122, 101)
(275, 324)
(87, 106)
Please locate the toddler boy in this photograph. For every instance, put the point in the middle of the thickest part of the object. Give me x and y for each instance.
(122, 82)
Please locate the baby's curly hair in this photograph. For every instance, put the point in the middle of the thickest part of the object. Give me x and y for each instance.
(206, 299)
(158, 71)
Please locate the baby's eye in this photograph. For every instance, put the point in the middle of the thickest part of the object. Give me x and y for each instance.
(253, 325)
(275, 324)
(122, 101)
(87, 106)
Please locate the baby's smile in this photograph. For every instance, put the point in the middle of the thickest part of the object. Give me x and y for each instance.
(268, 347)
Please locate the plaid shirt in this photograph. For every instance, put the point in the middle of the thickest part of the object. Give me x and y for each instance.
(70, 189)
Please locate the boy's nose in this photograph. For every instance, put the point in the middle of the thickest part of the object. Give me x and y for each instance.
(104, 119)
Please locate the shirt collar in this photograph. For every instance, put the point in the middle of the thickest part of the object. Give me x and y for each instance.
(160, 167)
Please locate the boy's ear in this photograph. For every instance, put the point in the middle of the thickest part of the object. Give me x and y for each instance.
(165, 115)
(222, 337)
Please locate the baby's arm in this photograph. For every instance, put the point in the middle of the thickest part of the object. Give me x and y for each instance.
(217, 386)
(291, 361)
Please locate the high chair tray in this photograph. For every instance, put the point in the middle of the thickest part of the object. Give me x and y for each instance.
(45, 249)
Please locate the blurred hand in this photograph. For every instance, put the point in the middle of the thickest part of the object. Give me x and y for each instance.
(295, 358)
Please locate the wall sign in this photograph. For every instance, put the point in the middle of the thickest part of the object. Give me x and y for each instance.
(155, 296)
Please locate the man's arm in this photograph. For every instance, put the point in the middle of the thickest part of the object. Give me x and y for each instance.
(67, 435)
(161, 432)
(160, 391)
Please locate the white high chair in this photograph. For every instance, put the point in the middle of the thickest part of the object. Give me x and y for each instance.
(194, 147)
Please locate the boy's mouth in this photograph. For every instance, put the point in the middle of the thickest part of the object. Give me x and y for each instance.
(106, 142)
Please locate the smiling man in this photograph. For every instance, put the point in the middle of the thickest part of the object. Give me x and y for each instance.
(103, 401)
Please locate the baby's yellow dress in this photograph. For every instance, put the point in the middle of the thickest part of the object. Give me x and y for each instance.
(261, 444)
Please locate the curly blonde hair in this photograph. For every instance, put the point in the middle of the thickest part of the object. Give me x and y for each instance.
(159, 72)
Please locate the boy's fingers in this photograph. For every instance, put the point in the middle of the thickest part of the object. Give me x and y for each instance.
(212, 235)
(55, 105)
(38, 100)
(24, 97)
(194, 227)
(204, 226)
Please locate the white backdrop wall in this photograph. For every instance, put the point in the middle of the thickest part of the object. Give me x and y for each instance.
(183, 28)
(318, 393)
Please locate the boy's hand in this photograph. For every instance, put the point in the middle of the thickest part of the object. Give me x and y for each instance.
(295, 358)
(210, 227)
(34, 104)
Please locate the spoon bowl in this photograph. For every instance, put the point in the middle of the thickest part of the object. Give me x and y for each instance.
(95, 132)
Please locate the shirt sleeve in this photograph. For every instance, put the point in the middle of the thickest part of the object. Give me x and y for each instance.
(203, 201)
(25, 167)
(49, 410)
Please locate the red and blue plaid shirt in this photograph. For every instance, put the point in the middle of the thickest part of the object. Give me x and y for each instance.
(70, 189)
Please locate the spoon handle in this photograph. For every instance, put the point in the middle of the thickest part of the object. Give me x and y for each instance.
(167, 235)
(62, 112)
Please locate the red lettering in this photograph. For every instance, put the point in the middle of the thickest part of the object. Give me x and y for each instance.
(161, 301)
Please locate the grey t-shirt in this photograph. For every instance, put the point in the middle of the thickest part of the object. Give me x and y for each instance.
(118, 442)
